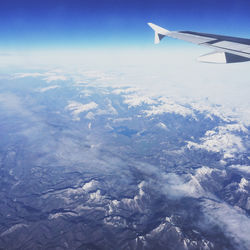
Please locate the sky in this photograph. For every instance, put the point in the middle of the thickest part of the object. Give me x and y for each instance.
(111, 37)
(113, 23)
(108, 43)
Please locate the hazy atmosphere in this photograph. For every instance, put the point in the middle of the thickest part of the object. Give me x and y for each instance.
(108, 141)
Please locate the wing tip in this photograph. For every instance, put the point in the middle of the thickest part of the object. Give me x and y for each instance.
(158, 29)
(159, 32)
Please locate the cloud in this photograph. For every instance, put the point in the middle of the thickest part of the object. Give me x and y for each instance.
(96, 75)
(13, 104)
(171, 184)
(76, 108)
(158, 105)
(232, 220)
(222, 139)
(90, 186)
(137, 100)
(169, 106)
(121, 120)
(243, 183)
(241, 168)
(47, 76)
(5, 54)
(108, 109)
(177, 186)
(226, 85)
(57, 215)
(96, 197)
(23, 75)
(49, 88)
(51, 78)
(90, 116)
(210, 109)
(119, 91)
(235, 127)
(190, 183)
(162, 126)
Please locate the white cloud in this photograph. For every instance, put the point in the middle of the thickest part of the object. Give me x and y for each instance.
(90, 116)
(242, 168)
(76, 108)
(49, 88)
(235, 127)
(119, 91)
(58, 215)
(118, 120)
(170, 107)
(137, 100)
(174, 74)
(96, 75)
(51, 78)
(96, 197)
(203, 172)
(210, 109)
(243, 183)
(186, 185)
(162, 125)
(108, 110)
(12, 103)
(232, 220)
(90, 186)
(221, 139)
(23, 75)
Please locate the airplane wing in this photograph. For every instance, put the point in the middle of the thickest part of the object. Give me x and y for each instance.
(226, 49)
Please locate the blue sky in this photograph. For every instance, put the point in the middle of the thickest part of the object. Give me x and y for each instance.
(108, 23)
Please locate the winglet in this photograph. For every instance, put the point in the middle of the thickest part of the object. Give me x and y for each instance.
(159, 32)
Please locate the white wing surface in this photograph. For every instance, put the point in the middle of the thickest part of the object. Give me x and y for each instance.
(227, 49)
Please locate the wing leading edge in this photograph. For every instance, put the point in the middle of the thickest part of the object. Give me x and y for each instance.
(227, 49)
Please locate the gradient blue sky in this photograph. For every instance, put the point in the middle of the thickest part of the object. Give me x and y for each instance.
(107, 23)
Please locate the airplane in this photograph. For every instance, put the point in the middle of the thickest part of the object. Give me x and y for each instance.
(227, 49)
